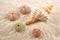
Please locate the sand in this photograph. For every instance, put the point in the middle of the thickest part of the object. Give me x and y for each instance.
(50, 29)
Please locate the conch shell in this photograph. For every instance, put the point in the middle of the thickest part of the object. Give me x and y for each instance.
(37, 16)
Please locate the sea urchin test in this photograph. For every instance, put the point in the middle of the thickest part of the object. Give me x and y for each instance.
(12, 15)
(25, 9)
(36, 32)
(19, 26)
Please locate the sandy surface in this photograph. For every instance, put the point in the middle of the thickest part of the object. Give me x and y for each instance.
(50, 29)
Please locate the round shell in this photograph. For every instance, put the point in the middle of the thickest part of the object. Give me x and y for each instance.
(24, 9)
(13, 15)
(19, 26)
(36, 32)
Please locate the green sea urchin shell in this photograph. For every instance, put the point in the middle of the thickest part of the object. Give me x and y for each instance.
(19, 26)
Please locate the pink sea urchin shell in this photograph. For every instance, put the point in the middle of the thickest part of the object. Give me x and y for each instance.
(36, 32)
(13, 15)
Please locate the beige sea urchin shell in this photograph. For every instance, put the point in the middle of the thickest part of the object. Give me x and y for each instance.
(25, 9)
